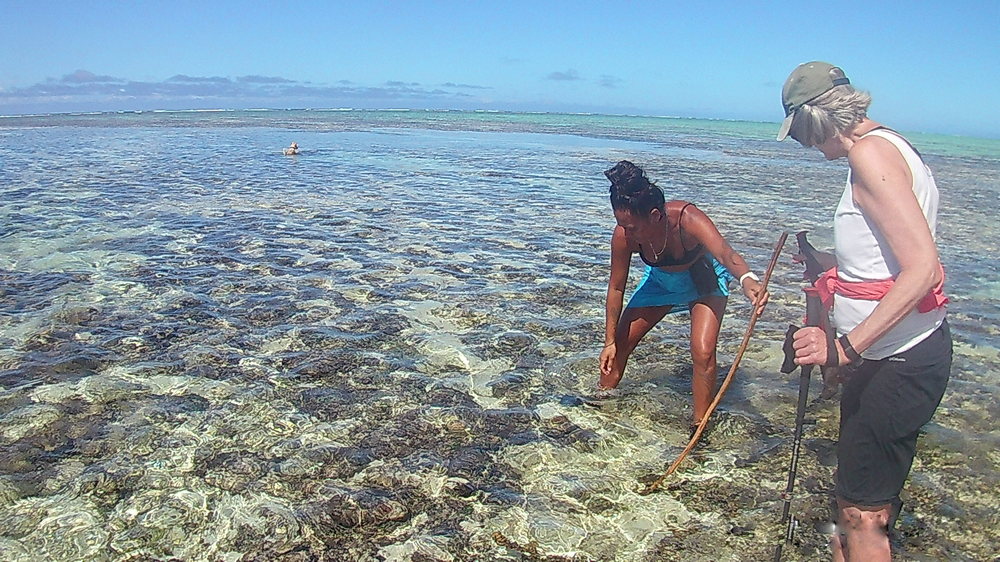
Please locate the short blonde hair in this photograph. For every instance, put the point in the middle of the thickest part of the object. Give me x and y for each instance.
(836, 111)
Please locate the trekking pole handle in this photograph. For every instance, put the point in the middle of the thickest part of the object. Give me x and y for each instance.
(814, 308)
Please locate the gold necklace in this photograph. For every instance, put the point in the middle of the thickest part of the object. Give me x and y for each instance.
(656, 255)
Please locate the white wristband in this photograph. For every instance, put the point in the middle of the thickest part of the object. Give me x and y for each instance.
(751, 275)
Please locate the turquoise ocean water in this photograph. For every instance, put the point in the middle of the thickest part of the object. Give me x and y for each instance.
(384, 348)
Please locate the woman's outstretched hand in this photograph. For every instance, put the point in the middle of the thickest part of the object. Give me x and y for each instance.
(754, 291)
(607, 359)
(608, 379)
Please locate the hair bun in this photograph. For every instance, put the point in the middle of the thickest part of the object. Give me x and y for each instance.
(627, 178)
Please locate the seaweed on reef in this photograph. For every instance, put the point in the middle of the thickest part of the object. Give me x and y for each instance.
(511, 385)
(530, 550)
(566, 433)
(235, 471)
(707, 495)
(55, 356)
(351, 512)
(326, 368)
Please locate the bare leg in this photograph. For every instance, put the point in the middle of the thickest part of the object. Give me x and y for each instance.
(634, 324)
(865, 533)
(706, 319)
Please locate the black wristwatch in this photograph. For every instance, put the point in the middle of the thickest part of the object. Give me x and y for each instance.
(853, 356)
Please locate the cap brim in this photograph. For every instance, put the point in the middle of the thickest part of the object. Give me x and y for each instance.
(785, 125)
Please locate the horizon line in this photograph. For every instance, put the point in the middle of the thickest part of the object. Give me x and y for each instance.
(426, 109)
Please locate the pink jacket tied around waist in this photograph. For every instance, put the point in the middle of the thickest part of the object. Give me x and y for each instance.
(829, 284)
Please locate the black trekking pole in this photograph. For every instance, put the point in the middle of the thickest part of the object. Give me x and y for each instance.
(814, 317)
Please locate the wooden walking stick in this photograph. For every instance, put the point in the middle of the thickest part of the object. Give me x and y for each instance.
(754, 315)
(815, 316)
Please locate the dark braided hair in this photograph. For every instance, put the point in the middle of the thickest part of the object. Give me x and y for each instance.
(631, 191)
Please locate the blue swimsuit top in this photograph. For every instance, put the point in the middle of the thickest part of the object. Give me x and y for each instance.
(687, 258)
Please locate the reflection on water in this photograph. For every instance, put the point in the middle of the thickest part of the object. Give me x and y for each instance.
(383, 348)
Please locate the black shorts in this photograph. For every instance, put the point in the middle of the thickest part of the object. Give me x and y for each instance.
(884, 405)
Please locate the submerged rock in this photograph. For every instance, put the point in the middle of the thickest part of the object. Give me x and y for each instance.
(27, 421)
(510, 384)
(565, 432)
(355, 508)
(513, 343)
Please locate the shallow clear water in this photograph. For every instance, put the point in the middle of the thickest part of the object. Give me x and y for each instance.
(377, 349)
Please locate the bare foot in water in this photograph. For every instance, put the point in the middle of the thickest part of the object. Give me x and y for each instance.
(703, 439)
(608, 381)
(601, 397)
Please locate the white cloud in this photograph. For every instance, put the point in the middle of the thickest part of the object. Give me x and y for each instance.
(85, 90)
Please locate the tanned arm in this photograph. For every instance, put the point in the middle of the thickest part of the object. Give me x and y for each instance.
(621, 256)
(883, 189)
(697, 223)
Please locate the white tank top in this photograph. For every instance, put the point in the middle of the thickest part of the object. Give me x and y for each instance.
(864, 255)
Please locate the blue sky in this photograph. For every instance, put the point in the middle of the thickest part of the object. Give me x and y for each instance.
(930, 66)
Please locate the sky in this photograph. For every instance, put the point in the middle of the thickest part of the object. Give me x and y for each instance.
(930, 66)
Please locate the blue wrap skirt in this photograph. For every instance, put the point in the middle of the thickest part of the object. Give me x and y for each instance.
(676, 288)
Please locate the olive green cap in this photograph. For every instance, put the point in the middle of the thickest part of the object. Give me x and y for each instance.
(808, 81)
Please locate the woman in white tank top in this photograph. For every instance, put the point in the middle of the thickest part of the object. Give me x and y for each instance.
(888, 302)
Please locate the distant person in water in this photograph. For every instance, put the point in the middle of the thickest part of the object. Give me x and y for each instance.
(292, 149)
(689, 266)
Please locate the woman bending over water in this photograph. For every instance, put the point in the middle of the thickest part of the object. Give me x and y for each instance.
(688, 268)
